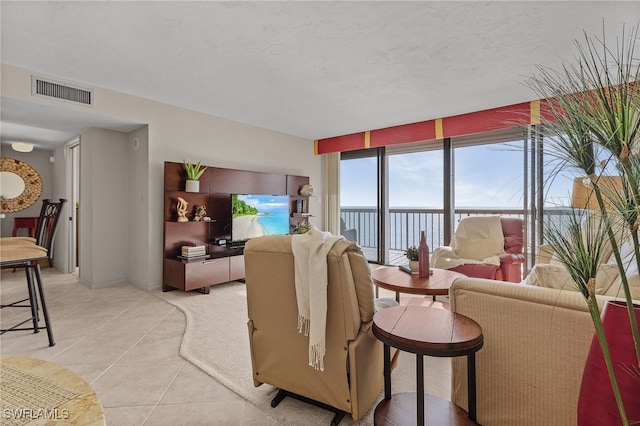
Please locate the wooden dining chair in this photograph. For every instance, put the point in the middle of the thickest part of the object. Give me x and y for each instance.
(45, 230)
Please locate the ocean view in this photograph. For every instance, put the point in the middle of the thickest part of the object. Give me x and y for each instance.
(274, 224)
(405, 224)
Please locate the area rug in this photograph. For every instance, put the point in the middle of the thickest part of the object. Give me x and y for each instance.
(35, 391)
(216, 340)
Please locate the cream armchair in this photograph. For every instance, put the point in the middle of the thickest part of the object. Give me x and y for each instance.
(353, 375)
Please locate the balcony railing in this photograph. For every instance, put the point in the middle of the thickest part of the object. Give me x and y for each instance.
(405, 224)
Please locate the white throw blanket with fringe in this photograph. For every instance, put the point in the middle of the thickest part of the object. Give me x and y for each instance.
(310, 263)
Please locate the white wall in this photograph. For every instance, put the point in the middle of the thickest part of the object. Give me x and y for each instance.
(174, 134)
(139, 256)
(104, 212)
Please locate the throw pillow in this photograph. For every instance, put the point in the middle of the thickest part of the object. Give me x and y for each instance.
(557, 276)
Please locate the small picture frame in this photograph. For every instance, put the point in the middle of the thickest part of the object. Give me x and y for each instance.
(299, 206)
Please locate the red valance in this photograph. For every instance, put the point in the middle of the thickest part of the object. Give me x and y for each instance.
(458, 125)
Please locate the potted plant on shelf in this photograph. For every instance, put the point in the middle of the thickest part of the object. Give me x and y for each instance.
(194, 172)
(591, 123)
(413, 256)
(301, 227)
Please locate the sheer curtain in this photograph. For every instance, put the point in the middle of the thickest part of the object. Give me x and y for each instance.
(332, 192)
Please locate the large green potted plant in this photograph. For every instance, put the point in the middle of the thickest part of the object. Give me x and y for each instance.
(591, 123)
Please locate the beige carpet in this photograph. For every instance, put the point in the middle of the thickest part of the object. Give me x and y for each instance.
(216, 340)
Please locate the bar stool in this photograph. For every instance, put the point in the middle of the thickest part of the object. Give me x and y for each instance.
(28, 257)
(27, 253)
(45, 230)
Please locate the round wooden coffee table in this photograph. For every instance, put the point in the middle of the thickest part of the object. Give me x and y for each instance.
(394, 279)
(432, 332)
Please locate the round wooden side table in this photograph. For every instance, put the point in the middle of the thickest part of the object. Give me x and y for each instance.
(392, 278)
(433, 332)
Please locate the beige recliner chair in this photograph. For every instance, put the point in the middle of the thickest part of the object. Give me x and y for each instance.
(352, 376)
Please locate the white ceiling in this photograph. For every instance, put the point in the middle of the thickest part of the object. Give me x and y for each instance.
(311, 69)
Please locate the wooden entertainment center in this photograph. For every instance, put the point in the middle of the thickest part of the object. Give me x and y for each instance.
(224, 262)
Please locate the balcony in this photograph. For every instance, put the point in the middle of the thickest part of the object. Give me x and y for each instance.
(405, 226)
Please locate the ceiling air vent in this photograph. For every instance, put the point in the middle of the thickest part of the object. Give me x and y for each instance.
(51, 89)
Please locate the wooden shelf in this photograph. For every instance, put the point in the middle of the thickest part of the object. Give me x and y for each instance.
(216, 186)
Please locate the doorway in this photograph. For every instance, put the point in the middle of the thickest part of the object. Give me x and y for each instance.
(72, 155)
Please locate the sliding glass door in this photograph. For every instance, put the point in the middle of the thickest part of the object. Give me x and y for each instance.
(489, 177)
(415, 181)
(389, 195)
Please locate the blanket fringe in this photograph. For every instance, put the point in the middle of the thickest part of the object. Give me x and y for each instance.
(303, 325)
(316, 356)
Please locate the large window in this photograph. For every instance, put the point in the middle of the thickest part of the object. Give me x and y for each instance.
(557, 186)
(389, 195)
(359, 199)
(489, 176)
(415, 198)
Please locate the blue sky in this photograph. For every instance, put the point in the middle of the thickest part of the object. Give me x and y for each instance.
(487, 176)
(266, 203)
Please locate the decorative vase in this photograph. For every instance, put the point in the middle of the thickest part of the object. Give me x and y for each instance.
(596, 402)
(192, 186)
(413, 265)
(423, 256)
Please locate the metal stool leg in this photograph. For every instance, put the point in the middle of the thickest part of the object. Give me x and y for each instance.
(45, 312)
(33, 298)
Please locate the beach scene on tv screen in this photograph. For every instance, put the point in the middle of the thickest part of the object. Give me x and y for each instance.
(259, 215)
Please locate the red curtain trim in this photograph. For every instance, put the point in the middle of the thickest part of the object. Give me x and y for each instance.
(458, 125)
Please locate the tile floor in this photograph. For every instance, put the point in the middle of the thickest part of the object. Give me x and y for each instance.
(124, 342)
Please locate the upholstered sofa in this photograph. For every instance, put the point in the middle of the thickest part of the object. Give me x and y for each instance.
(353, 366)
(549, 272)
(536, 341)
(537, 334)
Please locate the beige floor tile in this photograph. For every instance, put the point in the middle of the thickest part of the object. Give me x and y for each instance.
(125, 343)
(173, 324)
(89, 372)
(127, 416)
(198, 414)
(11, 316)
(140, 319)
(255, 417)
(194, 385)
(26, 343)
(140, 383)
(154, 347)
(79, 325)
(99, 348)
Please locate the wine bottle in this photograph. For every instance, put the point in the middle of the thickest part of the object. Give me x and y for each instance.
(423, 256)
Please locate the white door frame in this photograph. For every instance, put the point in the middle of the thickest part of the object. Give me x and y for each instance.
(72, 155)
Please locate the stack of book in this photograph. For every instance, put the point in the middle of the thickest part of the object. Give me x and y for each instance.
(194, 251)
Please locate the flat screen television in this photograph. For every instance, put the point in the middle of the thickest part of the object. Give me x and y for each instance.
(256, 215)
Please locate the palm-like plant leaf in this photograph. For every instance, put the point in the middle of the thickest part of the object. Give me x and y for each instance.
(592, 110)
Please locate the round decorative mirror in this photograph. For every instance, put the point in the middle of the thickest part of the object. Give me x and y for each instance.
(20, 185)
